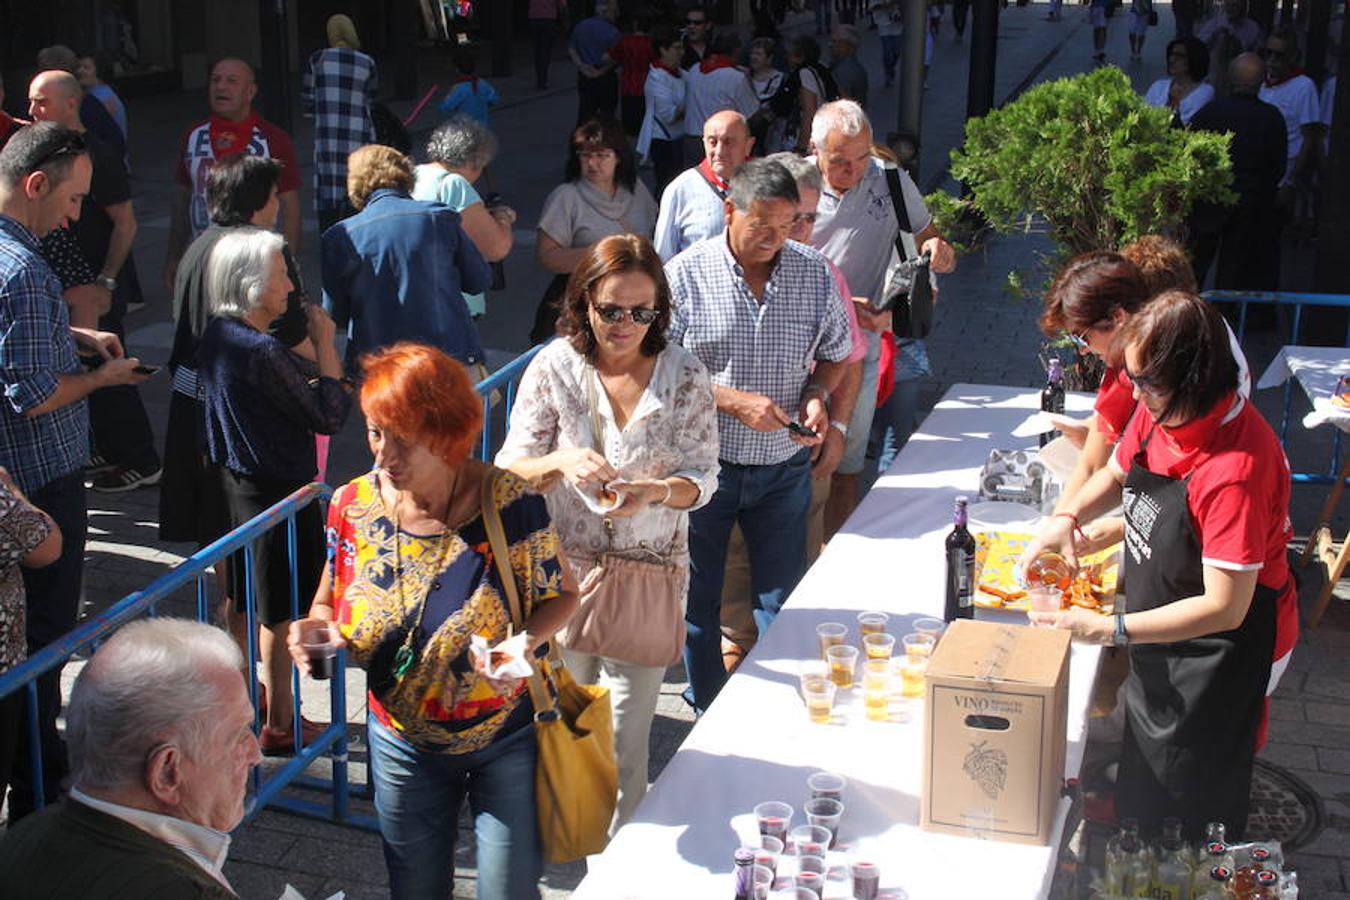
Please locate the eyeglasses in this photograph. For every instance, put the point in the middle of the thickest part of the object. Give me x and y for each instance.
(806, 217)
(73, 145)
(613, 315)
(1143, 384)
(1079, 338)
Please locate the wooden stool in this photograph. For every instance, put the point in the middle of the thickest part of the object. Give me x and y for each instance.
(1321, 544)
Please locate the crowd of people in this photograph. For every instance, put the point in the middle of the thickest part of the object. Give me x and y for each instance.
(724, 376)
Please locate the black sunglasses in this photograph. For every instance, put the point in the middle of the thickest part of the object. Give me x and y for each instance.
(613, 315)
(73, 145)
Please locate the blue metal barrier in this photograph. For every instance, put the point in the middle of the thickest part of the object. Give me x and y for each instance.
(333, 740)
(1296, 302)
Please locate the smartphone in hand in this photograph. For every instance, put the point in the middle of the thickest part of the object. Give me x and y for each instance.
(800, 430)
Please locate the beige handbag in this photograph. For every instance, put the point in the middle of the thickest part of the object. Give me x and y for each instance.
(632, 600)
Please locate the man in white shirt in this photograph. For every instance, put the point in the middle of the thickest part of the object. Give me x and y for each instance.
(693, 206)
(715, 84)
(856, 228)
(1295, 96)
(161, 743)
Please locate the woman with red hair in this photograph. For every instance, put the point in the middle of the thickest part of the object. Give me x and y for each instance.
(410, 579)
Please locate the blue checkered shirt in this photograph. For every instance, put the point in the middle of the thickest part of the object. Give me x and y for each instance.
(35, 346)
(338, 88)
(766, 348)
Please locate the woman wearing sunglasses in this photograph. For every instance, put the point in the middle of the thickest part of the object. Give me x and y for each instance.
(1205, 488)
(620, 429)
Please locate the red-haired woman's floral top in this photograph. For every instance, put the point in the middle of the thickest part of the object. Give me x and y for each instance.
(440, 705)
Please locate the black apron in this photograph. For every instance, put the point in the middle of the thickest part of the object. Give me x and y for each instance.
(1192, 708)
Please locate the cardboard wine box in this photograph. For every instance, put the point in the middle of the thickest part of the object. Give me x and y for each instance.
(995, 731)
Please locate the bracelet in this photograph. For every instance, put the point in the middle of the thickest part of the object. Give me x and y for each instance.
(1077, 529)
(669, 490)
(841, 427)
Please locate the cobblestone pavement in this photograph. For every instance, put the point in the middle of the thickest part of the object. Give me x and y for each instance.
(981, 335)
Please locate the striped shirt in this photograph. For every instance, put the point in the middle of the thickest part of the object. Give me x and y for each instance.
(36, 347)
(766, 347)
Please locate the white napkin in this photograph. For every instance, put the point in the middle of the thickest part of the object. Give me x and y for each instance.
(591, 497)
(512, 664)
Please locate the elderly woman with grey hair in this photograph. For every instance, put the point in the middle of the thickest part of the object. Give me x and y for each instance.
(262, 412)
(459, 151)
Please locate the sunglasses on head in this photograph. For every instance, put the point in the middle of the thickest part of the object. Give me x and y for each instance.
(613, 315)
(1143, 384)
(73, 145)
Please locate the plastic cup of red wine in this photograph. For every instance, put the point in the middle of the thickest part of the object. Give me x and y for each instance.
(773, 818)
(317, 642)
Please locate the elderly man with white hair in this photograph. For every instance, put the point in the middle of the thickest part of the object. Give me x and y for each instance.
(693, 206)
(857, 229)
(161, 745)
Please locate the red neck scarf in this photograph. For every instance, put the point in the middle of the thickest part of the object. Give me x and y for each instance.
(228, 138)
(472, 81)
(673, 70)
(1294, 72)
(707, 171)
(1196, 434)
(714, 61)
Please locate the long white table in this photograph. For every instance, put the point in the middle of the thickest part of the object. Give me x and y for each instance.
(755, 743)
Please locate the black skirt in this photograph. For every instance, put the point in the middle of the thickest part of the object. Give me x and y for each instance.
(191, 501)
(246, 496)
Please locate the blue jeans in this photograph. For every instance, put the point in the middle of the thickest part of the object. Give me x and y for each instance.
(417, 798)
(892, 426)
(891, 50)
(771, 504)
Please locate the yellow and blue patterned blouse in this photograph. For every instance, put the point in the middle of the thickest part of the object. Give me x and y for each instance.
(441, 705)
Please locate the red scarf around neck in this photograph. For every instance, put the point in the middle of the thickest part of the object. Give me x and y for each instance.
(1293, 73)
(228, 138)
(673, 70)
(706, 169)
(472, 81)
(714, 61)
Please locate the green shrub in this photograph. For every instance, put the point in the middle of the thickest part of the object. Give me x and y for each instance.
(1089, 161)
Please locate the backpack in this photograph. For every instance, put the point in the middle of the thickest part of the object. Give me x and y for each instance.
(785, 103)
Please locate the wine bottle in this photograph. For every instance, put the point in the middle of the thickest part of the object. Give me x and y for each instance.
(960, 567)
(1052, 395)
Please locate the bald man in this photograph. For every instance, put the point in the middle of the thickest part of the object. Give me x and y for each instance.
(693, 205)
(91, 259)
(234, 127)
(1244, 238)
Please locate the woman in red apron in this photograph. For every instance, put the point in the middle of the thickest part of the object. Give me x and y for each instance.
(1205, 488)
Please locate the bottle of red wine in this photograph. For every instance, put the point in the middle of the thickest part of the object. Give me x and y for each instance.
(1052, 395)
(960, 567)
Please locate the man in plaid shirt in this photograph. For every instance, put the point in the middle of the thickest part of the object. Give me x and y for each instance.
(764, 316)
(44, 419)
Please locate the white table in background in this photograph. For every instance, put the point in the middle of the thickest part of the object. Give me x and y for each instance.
(755, 743)
(1318, 370)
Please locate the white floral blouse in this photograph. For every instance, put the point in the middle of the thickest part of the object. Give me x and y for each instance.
(672, 432)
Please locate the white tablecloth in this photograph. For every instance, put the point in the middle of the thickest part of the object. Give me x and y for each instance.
(1317, 369)
(755, 743)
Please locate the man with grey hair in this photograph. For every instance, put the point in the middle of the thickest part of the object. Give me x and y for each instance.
(459, 151)
(161, 744)
(857, 228)
(757, 310)
(693, 205)
(738, 626)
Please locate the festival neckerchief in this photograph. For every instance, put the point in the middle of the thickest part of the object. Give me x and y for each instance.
(1294, 72)
(228, 138)
(713, 179)
(714, 61)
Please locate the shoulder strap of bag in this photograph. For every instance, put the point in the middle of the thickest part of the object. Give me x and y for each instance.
(501, 555)
(897, 193)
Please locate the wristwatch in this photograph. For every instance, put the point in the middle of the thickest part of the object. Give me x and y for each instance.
(841, 427)
(107, 282)
(1121, 637)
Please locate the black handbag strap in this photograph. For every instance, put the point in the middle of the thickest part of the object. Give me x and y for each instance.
(897, 193)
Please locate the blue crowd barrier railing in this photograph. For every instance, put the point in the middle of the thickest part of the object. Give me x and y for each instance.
(332, 742)
(1295, 302)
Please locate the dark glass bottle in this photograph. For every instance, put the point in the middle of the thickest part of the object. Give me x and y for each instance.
(960, 567)
(1052, 395)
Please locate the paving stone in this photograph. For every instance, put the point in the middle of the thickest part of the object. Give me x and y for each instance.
(1316, 874)
(351, 862)
(1328, 686)
(1328, 713)
(1284, 709)
(261, 845)
(1337, 761)
(258, 882)
(1290, 756)
(1313, 733)
(1332, 842)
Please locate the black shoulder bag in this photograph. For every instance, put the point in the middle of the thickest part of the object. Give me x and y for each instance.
(908, 292)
